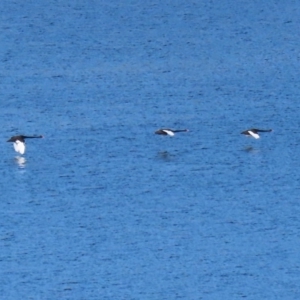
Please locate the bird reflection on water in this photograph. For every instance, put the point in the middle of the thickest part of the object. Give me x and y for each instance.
(250, 149)
(20, 161)
(165, 155)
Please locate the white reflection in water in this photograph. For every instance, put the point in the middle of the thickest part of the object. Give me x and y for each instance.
(21, 161)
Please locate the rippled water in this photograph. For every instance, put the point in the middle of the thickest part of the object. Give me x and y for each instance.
(102, 208)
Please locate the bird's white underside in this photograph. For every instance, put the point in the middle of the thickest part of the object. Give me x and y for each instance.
(19, 147)
(168, 132)
(255, 135)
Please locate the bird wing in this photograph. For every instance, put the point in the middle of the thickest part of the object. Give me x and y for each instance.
(255, 135)
(168, 132)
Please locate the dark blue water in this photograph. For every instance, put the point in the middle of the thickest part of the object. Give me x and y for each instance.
(102, 208)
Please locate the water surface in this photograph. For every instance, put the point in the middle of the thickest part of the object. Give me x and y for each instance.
(102, 208)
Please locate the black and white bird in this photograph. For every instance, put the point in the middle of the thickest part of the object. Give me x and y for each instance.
(254, 132)
(169, 132)
(19, 142)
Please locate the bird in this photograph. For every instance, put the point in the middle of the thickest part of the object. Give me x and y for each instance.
(254, 132)
(19, 142)
(169, 132)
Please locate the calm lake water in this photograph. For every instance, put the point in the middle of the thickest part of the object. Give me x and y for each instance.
(102, 208)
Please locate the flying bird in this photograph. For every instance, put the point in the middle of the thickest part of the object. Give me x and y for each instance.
(254, 132)
(169, 132)
(19, 142)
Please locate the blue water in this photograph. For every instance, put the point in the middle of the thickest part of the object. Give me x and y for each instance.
(102, 208)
